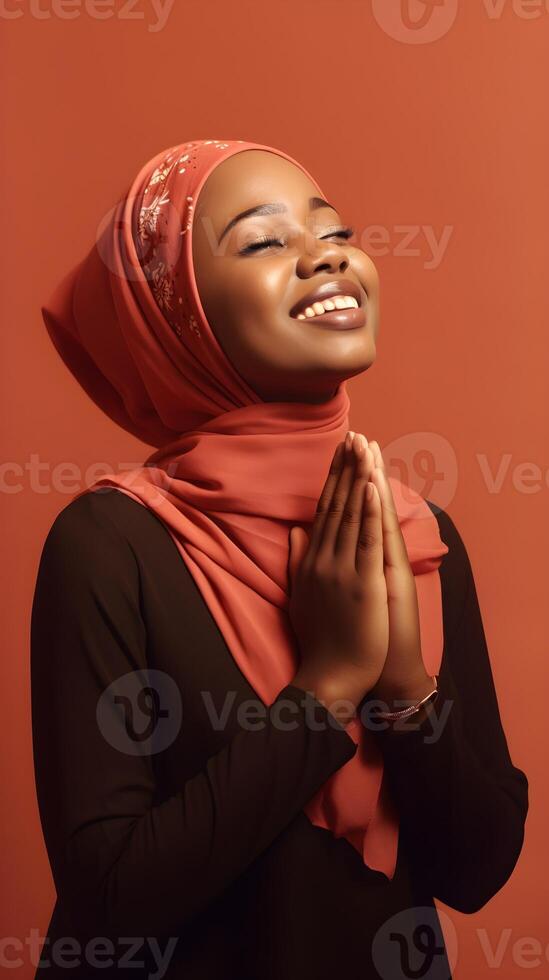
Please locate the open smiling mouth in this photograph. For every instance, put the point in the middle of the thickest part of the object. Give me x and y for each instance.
(337, 306)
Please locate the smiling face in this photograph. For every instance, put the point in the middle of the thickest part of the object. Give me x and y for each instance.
(255, 293)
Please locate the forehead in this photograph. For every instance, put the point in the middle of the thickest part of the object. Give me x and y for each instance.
(249, 178)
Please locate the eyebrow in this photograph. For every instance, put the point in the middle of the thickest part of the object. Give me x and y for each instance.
(275, 207)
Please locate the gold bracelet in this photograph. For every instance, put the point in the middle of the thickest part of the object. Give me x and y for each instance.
(412, 709)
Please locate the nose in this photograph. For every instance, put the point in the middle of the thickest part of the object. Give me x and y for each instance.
(320, 255)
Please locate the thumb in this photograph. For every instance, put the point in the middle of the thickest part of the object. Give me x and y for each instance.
(299, 542)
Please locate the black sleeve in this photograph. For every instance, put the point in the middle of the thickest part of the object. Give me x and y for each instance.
(462, 802)
(121, 861)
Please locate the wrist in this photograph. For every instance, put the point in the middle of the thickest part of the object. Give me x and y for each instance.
(341, 696)
(415, 709)
(400, 693)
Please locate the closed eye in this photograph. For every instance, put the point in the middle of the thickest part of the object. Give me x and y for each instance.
(267, 240)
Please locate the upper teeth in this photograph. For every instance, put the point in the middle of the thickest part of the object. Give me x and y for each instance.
(335, 303)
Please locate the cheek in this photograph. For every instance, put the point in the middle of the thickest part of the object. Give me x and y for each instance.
(259, 285)
(254, 323)
(364, 269)
(256, 293)
(216, 289)
(367, 273)
(232, 304)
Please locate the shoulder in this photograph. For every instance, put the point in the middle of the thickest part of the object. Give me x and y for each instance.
(87, 593)
(96, 531)
(456, 573)
(101, 515)
(86, 519)
(457, 557)
(107, 535)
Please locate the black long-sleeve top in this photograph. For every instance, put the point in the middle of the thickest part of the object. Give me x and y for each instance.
(196, 844)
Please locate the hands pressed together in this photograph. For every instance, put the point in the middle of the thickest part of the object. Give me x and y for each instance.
(353, 600)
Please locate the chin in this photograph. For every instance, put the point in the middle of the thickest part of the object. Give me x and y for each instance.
(354, 360)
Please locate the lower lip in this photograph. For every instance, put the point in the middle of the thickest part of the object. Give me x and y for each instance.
(348, 319)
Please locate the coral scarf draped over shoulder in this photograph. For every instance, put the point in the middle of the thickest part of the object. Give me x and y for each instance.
(231, 474)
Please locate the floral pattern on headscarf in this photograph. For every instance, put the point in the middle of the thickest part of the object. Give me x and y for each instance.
(149, 238)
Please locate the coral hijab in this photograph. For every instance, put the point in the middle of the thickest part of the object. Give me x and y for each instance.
(231, 474)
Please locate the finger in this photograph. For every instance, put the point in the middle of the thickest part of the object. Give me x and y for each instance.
(349, 527)
(394, 545)
(378, 458)
(326, 496)
(369, 552)
(387, 497)
(298, 541)
(338, 503)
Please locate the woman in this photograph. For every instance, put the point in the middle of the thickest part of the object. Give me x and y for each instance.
(265, 728)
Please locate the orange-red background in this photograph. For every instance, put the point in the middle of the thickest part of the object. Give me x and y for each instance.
(449, 133)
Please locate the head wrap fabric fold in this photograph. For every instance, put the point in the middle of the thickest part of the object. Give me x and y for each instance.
(230, 474)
